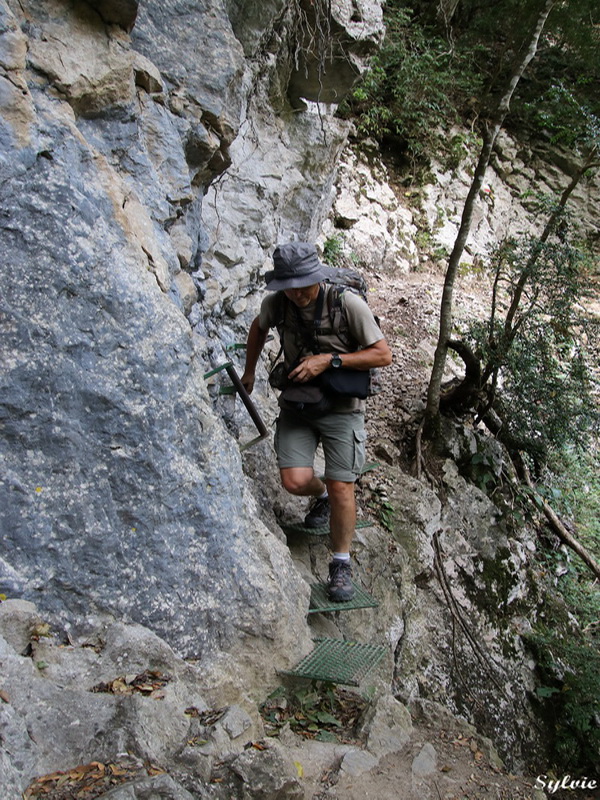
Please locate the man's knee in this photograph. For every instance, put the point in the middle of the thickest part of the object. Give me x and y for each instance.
(297, 480)
(341, 491)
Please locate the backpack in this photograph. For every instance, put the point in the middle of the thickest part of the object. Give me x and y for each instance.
(342, 280)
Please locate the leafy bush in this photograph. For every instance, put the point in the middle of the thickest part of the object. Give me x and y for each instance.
(416, 89)
(433, 72)
(534, 347)
(318, 710)
(569, 120)
(568, 661)
(333, 251)
(569, 696)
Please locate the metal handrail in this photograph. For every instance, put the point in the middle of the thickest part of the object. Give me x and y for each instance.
(262, 429)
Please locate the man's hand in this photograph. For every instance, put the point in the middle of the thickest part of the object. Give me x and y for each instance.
(247, 380)
(310, 367)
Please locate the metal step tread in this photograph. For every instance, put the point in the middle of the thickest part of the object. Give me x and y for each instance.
(320, 602)
(338, 661)
(322, 530)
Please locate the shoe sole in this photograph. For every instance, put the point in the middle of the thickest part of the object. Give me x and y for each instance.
(341, 597)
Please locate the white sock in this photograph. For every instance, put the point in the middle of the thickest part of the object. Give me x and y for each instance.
(341, 556)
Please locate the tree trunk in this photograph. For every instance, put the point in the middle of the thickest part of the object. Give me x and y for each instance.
(509, 328)
(492, 129)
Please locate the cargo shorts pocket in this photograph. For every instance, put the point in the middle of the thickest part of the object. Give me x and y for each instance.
(360, 438)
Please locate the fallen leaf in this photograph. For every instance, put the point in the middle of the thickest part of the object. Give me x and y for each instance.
(43, 629)
(152, 769)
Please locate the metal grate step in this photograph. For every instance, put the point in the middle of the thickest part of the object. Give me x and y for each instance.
(320, 602)
(322, 530)
(369, 466)
(338, 661)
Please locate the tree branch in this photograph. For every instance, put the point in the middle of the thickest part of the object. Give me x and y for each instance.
(563, 534)
(489, 139)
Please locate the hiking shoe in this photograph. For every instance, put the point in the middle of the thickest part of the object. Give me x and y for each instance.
(339, 585)
(319, 514)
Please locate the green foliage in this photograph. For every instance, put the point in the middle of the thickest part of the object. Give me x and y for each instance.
(569, 663)
(319, 710)
(333, 251)
(546, 384)
(569, 119)
(380, 504)
(569, 695)
(414, 90)
(433, 72)
(481, 471)
(534, 347)
(574, 481)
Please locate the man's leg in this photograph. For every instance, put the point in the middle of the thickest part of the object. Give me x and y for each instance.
(301, 481)
(343, 515)
(343, 522)
(296, 442)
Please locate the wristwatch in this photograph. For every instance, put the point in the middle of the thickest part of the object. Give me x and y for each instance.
(336, 360)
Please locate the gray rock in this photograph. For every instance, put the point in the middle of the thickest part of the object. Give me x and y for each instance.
(19, 620)
(264, 774)
(104, 365)
(194, 47)
(356, 761)
(334, 41)
(90, 66)
(425, 763)
(10, 779)
(119, 12)
(387, 726)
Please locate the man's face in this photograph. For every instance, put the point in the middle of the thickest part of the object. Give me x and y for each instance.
(303, 297)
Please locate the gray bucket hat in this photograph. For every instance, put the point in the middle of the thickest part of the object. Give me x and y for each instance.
(296, 266)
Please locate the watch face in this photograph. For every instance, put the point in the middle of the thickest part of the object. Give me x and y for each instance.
(336, 360)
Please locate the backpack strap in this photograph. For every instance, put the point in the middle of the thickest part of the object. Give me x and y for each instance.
(306, 335)
(338, 316)
(309, 336)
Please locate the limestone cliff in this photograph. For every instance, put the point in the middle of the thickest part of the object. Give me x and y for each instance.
(122, 492)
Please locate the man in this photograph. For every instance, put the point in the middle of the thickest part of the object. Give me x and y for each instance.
(299, 306)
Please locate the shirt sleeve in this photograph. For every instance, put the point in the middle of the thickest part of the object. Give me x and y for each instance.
(361, 322)
(268, 312)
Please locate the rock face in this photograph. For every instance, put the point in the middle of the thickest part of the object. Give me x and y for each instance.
(122, 492)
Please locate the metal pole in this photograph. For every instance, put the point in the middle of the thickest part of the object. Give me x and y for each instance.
(252, 410)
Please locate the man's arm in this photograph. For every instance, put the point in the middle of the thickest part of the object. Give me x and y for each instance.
(376, 355)
(254, 345)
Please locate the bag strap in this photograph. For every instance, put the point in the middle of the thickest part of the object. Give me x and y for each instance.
(309, 337)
